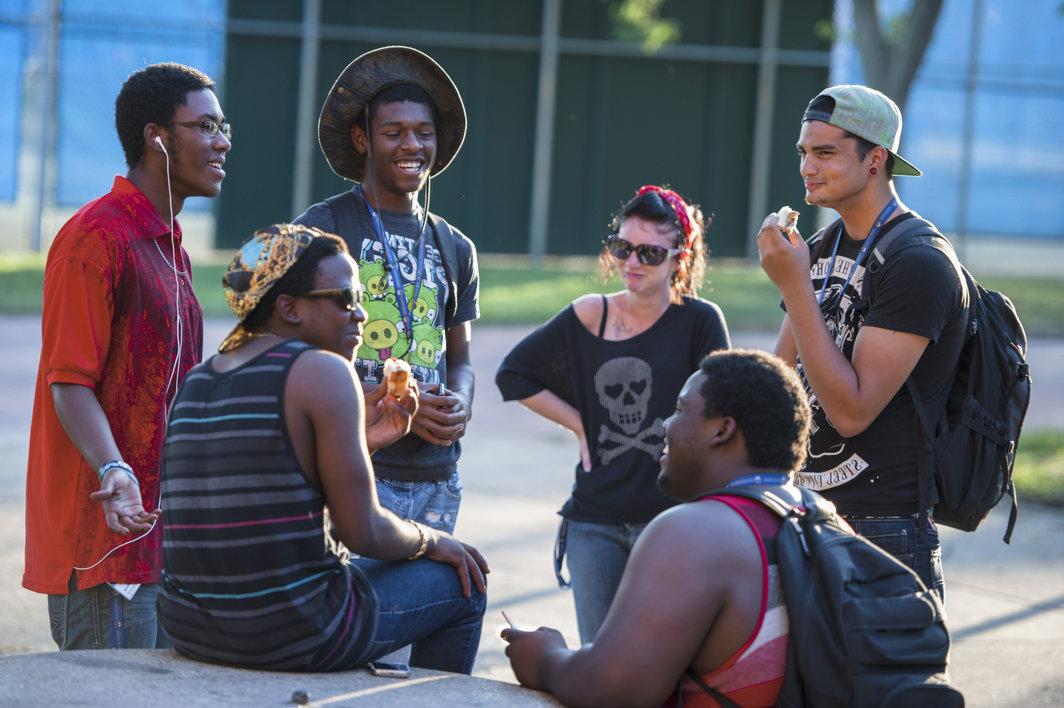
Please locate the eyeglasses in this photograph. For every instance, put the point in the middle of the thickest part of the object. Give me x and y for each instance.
(648, 254)
(347, 298)
(208, 127)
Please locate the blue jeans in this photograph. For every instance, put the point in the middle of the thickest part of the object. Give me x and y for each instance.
(420, 603)
(898, 537)
(434, 504)
(100, 618)
(597, 556)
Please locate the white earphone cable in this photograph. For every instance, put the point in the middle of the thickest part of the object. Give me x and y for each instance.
(172, 378)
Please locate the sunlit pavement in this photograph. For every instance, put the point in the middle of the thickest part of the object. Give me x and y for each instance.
(1005, 603)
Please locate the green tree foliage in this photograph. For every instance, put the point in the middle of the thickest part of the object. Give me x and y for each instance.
(641, 21)
(892, 48)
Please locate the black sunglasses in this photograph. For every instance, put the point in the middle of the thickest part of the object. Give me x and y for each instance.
(648, 254)
(347, 298)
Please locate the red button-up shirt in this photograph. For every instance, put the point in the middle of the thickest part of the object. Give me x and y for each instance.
(108, 323)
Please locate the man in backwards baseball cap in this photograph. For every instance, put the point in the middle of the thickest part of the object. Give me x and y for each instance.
(889, 314)
(865, 114)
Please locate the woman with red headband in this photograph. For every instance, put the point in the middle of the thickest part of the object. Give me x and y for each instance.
(609, 368)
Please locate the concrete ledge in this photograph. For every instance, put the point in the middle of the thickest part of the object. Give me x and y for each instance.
(161, 677)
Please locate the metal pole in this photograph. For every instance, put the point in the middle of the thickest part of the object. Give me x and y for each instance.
(47, 124)
(761, 162)
(543, 147)
(964, 181)
(306, 108)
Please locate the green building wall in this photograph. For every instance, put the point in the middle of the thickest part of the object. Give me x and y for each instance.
(620, 121)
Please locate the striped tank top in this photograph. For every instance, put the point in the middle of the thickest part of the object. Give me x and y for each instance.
(249, 577)
(753, 675)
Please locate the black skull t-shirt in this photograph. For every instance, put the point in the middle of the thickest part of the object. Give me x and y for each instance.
(624, 391)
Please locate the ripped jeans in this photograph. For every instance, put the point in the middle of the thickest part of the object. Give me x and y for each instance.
(434, 504)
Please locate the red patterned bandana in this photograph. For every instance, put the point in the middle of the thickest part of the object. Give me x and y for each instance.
(678, 205)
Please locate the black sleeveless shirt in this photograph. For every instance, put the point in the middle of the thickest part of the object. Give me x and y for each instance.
(249, 577)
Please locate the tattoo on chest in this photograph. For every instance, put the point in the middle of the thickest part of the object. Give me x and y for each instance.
(619, 328)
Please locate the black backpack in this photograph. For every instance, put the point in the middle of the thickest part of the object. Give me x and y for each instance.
(864, 630)
(973, 454)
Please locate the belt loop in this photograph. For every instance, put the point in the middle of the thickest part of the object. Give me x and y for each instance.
(559, 552)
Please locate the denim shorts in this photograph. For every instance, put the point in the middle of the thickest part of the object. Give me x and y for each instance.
(100, 618)
(434, 504)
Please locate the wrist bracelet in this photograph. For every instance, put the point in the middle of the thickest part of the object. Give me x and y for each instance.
(423, 544)
(119, 464)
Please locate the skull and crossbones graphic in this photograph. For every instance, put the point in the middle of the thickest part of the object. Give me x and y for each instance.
(623, 386)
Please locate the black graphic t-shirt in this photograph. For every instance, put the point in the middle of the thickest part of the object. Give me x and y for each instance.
(624, 391)
(919, 290)
(385, 333)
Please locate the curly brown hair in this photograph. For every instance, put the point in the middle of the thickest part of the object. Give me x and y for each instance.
(651, 206)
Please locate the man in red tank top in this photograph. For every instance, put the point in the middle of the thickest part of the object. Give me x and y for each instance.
(700, 591)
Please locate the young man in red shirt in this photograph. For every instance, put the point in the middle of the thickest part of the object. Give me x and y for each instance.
(120, 327)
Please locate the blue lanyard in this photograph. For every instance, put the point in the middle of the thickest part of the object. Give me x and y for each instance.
(393, 270)
(869, 240)
(772, 480)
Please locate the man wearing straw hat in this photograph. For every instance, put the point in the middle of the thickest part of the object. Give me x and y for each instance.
(392, 121)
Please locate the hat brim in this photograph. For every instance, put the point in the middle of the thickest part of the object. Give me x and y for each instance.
(903, 168)
(362, 80)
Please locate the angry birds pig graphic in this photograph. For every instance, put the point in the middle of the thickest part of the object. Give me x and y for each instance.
(428, 345)
(374, 278)
(381, 337)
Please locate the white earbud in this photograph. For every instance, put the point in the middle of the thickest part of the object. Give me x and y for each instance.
(159, 141)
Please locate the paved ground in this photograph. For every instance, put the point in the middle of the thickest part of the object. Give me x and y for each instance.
(1006, 603)
(96, 678)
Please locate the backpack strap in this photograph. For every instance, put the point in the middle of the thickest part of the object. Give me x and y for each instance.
(789, 503)
(893, 241)
(719, 697)
(345, 208)
(915, 225)
(345, 212)
(925, 434)
(890, 243)
(447, 242)
(776, 500)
